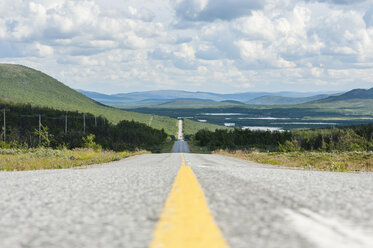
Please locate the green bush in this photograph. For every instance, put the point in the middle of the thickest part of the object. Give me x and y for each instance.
(289, 146)
(89, 143)
(359, 138)
(45, 136)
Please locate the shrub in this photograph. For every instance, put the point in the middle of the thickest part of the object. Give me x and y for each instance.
(45, 136)
(288, 146)
(89, 143)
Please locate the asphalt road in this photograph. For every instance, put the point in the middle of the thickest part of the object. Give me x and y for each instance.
(118, 204)
(180, 146)
(180, 130)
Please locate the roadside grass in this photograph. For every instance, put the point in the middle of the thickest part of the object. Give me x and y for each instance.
(166, 123)
(191, 127)
(339, 161)
(46, 158)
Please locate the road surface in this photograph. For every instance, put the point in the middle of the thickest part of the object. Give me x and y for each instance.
(180, 146)
(119, 204)
(185, 200)
(180, 130)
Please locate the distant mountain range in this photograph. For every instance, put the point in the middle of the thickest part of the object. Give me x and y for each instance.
(165, 98)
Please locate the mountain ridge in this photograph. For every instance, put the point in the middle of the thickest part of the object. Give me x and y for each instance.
(349, 95)
(282, 100)
(135, 98)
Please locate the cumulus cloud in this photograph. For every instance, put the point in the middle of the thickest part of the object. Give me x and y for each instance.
(368, 17)
(210, 10)
(192, 44)
(80, 24)
(342, 2)
(142, 14)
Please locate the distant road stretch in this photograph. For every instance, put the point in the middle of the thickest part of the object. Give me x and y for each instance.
(180, 146)
(180, 132)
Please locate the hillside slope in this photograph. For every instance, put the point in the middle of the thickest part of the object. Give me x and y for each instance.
(197, 103)
(25, 85)
(350, 95)
(352, 103)
(282, 100)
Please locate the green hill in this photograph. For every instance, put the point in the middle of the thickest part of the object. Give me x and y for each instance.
(192, 127)
(352, 103)
(196, 103)
(352, 94)
(282, 100)
(21, 84)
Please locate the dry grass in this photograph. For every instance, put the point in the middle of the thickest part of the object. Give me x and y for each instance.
(346, 161)
(42, 158)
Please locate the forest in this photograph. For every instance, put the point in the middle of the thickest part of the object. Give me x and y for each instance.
(355, 138)
(69, 129)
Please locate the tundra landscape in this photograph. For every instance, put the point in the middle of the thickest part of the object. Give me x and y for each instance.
(176, 123)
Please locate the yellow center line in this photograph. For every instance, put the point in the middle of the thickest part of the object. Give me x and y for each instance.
(186, 220)
(182, 160)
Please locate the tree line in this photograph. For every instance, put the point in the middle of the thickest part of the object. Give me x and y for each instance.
(73, 129)
(357, 138)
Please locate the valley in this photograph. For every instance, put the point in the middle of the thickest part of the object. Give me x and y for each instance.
(283, 110)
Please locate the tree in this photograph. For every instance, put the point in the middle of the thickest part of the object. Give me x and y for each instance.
(45, 136)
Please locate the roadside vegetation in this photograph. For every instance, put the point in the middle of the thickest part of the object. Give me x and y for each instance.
(359, 138)
(191, 127)
(334, 149)
(329, 161)
(70, 129)
(69, 139)
(46, 158)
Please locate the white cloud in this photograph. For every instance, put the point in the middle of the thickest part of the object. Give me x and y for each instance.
(192, 44)
(44, 50)
(210, 10)
(256, 27)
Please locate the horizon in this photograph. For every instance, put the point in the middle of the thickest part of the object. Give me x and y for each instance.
(116, 47)
(212, 92)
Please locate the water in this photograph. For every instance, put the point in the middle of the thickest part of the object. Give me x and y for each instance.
(267, 123)
(221, 114)
(254, 128)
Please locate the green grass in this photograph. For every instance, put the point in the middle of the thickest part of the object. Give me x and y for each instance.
(341, 161)
(167, 123)
(192, 127)
(349, 107)
(44, 158)
(21, 84)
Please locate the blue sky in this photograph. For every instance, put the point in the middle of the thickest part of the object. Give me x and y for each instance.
(117, 46)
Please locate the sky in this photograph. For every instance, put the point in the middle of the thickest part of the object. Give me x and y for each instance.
(224, 46)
